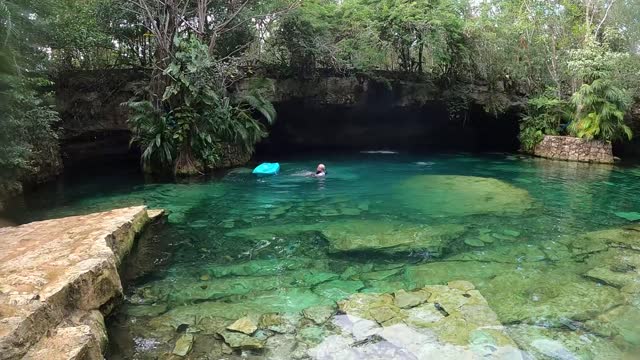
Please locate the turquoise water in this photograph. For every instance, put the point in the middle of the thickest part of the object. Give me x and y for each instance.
(537, 238)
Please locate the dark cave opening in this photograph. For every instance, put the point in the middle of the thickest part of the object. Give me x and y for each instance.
(377, 126)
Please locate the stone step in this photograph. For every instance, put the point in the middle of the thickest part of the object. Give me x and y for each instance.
(51, 268)
(83, 338)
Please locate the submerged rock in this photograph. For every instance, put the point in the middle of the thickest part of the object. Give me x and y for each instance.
(319, 314)
(474, 242)
(441, 272)
(619, 322)
(311, 335)
(405, 300)
(183, 345)
(450, 324)
(507, 253)
(241, 341)
(244, 325)
(631, 216)
(338, 289)
(553, 343)
(553, 349)
(389, 236)
(616, 267)
(449, 195)
(461, 285)
(528, 296)
(592, 242)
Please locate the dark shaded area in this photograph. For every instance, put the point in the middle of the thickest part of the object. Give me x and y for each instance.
(96, 148)
(94, 121)
(377, 126)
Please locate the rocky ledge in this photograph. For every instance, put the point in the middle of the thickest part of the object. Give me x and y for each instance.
(57, 280)
(574, 149)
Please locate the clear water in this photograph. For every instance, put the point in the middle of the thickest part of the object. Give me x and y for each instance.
(242, 245)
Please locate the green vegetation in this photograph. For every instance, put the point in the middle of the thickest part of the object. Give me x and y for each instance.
(575, 60)
(194, 118)
(28, 142)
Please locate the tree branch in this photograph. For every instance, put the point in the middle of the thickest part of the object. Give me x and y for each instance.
(604, 18)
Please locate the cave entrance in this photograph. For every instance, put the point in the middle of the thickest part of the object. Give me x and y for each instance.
(376, 126)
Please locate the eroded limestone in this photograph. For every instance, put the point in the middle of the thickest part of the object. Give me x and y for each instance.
(50, 267)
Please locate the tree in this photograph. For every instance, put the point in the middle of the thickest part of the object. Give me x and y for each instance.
(600, 103)
(28, 143)
(546, 115)
(186, 129)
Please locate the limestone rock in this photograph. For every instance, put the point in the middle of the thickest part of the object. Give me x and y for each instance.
(319, 314)
(281, 347)
(631, 216)
(443, 271)
(338, 289)
(622, 321)
(627, 237)
(461, 325)
(389, 236)
(474, 242)
(553, 349)
(529, 297)
(284, 301)
(557, 343)
(241, 341)
(486, 238)
(311, 335)
(244, 325)
(183, 345)
(53, 268)
(448, 195)
(461, 285)
(405, 300)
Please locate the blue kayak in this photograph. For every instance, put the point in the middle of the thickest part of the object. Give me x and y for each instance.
(267, 169)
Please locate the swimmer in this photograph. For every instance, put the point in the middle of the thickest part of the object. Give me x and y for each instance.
(321, 170)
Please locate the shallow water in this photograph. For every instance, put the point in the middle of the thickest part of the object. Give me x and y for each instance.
(514, 226)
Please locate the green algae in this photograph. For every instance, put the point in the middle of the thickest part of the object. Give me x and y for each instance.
(447, 195)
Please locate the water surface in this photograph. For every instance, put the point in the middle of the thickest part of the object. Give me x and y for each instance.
(240, 245)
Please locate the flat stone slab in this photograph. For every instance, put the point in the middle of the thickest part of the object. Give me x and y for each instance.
(449, 321)
(53, 267)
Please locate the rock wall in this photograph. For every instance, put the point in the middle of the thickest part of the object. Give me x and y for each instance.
(327, 111)
(574, 149)
(371, 112)
(58, 278)
(94, 124)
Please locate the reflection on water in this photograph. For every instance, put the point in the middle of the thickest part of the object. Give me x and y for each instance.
(390, 256)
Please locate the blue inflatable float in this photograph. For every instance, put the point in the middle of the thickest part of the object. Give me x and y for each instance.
(267, 169)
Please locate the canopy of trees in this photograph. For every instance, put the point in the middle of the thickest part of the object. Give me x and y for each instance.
(576, 60)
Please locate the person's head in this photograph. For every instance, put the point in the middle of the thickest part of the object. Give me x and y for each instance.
(321, 168)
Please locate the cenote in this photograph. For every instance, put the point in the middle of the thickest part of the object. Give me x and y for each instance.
(546, 243)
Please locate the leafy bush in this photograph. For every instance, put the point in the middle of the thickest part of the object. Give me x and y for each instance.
(600, 102)
(600, 109)
(546, 115)
(28, 143)
(186, 128)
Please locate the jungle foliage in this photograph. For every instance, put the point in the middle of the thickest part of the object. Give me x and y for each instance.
(576, 61)
(195, 119)
(28, 140)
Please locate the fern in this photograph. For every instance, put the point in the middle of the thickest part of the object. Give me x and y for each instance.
(600, 112)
